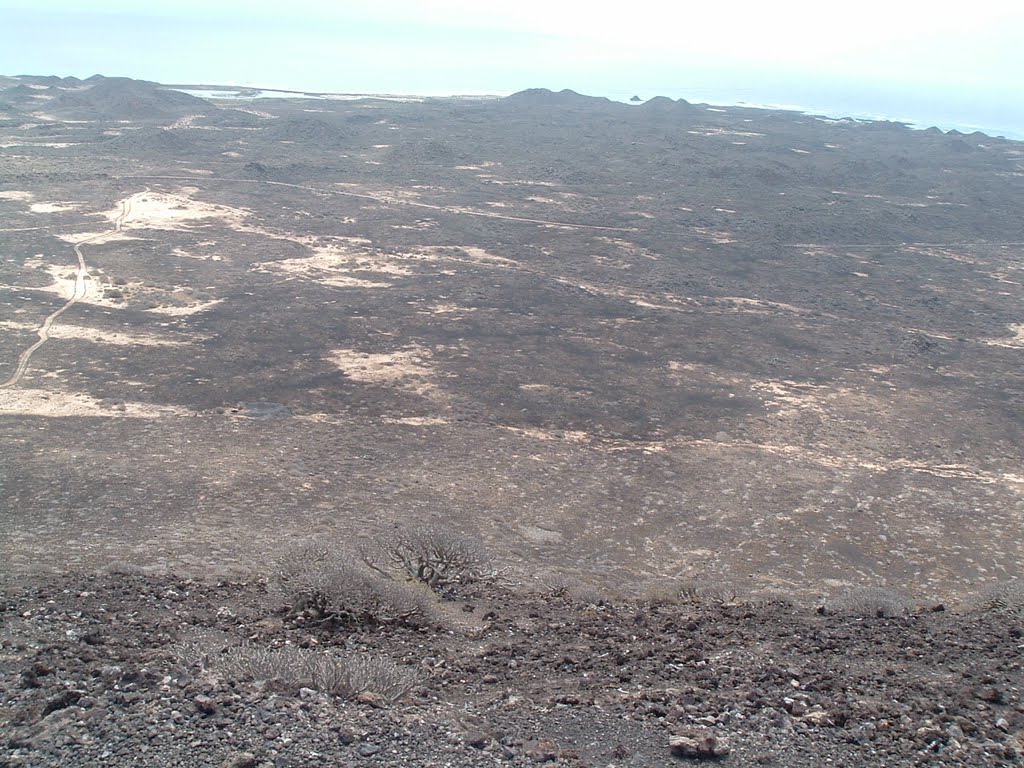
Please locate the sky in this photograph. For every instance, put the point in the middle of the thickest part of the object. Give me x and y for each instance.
(960, 63)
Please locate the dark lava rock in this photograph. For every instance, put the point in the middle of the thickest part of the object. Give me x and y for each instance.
(240, 760)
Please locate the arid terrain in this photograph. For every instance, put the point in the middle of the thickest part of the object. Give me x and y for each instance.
(626, 346)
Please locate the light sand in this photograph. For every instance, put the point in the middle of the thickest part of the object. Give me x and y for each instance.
(448, 309)
(182, 253)
(160, 210)
(53, 207)
(23, 401)
(80, 332)
(409, 369)
(1016, 341)
(383, 368)
(190, 309)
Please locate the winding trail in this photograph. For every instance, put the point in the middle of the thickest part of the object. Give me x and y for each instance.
(79, 293)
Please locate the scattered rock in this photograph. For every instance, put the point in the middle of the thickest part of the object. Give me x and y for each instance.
(990, 695)
(698, 744)
(372, 699)
(368, 750)
(240, 760)
(476, 739)
(205, 704)
(541, 751)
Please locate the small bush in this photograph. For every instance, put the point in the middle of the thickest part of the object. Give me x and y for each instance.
(290, 669)
(437, 556)
(1004, 597)
(709, 592)
(328, 583)
(870, 601)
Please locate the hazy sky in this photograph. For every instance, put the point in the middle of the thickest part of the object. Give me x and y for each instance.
(970, 53)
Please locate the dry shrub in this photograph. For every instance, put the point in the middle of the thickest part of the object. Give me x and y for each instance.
(329, 582)
(289, 669)
(1003, 597)
(192, 655)
(439, 557)
(709, 591)
(870, 601)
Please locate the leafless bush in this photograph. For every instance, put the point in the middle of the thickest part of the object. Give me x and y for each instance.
(282, 668)
(871, 601)
(709, 591)
(377, 674)
(192, 655)
(1004, 597)
(329, 582)
(434, 555)
(291, 668)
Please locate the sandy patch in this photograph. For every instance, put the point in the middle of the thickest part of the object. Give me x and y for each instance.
(791, 396)
(715, 236)
(160, 210)
(20, 401)
(79, 332)
(420, 225)
(383, 368)
(65, 285)
(183, 122)
(257, 112)
(538, 535)
(571, 436)
(408, 369)
(96, 238)
(480, 167)
(725, 132)
(343, 265)
(417, 421)
(744, 304)
(447, 309)
(53, 207)
(190, 309)
(480, 256)
(182, 253)
(1016, 341)
(691, 372)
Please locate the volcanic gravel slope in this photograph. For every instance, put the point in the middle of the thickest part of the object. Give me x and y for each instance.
(91, 673)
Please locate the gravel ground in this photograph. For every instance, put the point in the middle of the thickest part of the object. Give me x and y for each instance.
(102, 670)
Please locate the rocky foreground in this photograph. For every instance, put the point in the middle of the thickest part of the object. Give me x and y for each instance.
(125, 669)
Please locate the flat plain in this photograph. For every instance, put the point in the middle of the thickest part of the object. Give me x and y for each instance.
(621, 343)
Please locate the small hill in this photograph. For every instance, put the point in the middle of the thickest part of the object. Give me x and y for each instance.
(121, 98)
(545, 97)
(151, 142)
